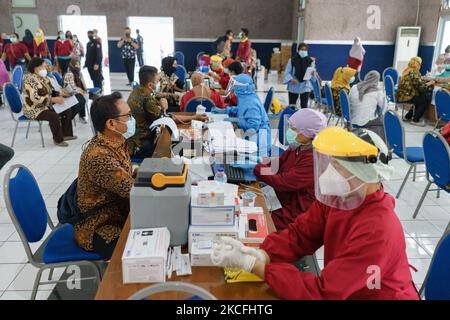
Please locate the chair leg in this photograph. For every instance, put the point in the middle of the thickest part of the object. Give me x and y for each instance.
(36, 284)
(437, 123)
(414, 173)
(438, 196)
(404, 181)
(42, 134)
(50, 274)
(14, 135)
(421, 200)
(28, 130)
(329, 118)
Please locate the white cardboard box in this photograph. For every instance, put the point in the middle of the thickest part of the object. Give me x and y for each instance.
(144, 259)
(211, 233)
(204, 215)
(201, 257)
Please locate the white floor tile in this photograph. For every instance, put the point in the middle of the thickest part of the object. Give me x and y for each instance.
(12, 252)
(25, 280)
(422, 266)
(434, 213)
(25, 295)
(8, 273)
(429, 244)
(421, 229)
(415, 251)
(441, 225)
(6, 230)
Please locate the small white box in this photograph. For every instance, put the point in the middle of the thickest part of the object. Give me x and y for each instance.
(210, 193)
(211, 233)
(144, 259)
(213, 215)
(201, 256)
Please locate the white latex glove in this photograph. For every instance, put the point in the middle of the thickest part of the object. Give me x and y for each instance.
(257, 253)
(227, 253)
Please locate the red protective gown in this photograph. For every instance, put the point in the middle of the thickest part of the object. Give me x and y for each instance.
(224, 80)
(215, 97)
(293, 184)
(354, 241)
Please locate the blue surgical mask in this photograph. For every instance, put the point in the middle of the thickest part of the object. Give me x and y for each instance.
(447, 67)
(13, 40)
(291, 138)
(131, 128)
(352, 79)
(303, 53)
(226, 70)
(157, 87)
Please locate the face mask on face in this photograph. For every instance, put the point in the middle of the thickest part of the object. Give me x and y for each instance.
(13, 40)
(75, 39)
(291, 138)
(226, 70)
(447, 67)
(38, 34)
(127, 34)
(43, 73)
(62, 37)
(157, 87)
(332, 183)
(352, 79)
(131, 128)
(240, 35)
(303, 53)
(91, 38)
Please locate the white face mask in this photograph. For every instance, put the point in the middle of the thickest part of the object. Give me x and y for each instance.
(332, 183)
(43, 73)
(352, 79)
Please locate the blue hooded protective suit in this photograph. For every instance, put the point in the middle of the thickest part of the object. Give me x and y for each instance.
(253, 119)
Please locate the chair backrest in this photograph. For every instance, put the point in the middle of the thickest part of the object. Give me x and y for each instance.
(181, 73)
(269, 99)
(395, 133)
(437, 285)
(173, 287)
(287, 113)
(316, 88)
(17, 77)
(179, 56)
(192, 104)
(12, 98)
(25, 204)
(393, 73)
(389, 88)
(443, 105)
(58, 78)
(329, 98)
(437, 158)
(345, 106)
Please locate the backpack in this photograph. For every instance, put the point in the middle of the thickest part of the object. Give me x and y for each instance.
(68, 211)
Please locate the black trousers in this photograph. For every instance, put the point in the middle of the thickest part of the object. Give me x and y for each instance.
(81, 106)
(96, 77)
(129, 68)
(140, 57)
(304, 99)
(103, 248)
(64, 65)
(421, 104)
(6, 154)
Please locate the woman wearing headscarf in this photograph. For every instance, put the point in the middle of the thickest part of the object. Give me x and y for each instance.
(294, 180)
(412, 89)
(342, 79)
(40, 45)
(28, 42)
(356, 56)
(367, 103)
(294, 75)
(170, 83)
(75, 82)
(200, 90)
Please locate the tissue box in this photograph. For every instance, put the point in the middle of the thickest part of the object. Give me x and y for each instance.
(144, 259)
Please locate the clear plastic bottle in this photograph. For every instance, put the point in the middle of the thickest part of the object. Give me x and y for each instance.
(220, 175)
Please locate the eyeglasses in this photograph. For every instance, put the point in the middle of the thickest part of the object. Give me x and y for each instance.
(124, 115)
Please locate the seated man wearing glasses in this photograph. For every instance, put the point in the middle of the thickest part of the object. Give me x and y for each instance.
(105, 177)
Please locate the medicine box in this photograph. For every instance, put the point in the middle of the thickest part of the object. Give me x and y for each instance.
(211, 233)
(212, 215)
(201, 254)
(144, 259)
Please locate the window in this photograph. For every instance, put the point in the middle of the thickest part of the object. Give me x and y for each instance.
(23, 3)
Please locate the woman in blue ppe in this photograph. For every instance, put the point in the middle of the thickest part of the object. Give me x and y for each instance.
(249, 114)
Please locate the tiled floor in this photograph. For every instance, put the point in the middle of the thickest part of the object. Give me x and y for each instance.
(55, 168)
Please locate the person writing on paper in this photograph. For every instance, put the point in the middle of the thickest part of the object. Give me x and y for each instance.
(342, 79)
(200, 90)
(294, 180)
(250, 114)
(38, 98)
(353, 218)
(146, 107)
(295, 74)
(367, 104)
(105, 177)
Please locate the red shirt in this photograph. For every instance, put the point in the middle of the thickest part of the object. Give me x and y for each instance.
(356, 242)
(215, 97)
(19, 50)
(63, 49)
(224, 80)
(41, 50)
(244, 51)
(293, 184)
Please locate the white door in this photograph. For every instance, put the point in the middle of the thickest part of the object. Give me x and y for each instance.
(24, 21)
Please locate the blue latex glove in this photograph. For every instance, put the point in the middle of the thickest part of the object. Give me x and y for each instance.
(219, 111)
(232, 120)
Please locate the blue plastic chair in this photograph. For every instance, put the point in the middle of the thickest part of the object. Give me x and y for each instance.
(181, 73)
(345, 108)
(318, 94)
(282, 128)
(393, 73)
(437, 163)
(58, 78)
(269, 99)
(17, 77)
(14, 101)
(389, 88)
(442, 106)
(437, 281)
(330, 103)
(27, 210)
(179, 56)
(192, 104)
(395, 138)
